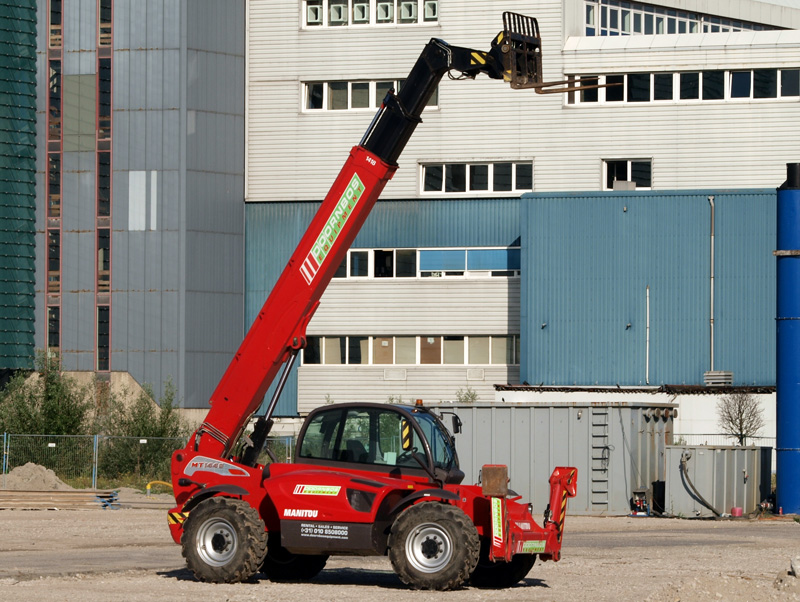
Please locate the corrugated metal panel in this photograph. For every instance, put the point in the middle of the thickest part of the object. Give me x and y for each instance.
(725, 477)
(273, 230)
(693, 145)
(17, 184)
(615, 447)
(588, 259)
(319, 384)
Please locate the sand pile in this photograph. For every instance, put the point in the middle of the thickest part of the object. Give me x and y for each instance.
(33, 477)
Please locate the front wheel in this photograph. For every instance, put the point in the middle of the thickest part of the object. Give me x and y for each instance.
(433, 546)
(224, 541)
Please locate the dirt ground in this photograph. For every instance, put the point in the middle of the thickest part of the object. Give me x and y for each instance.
(128, 555)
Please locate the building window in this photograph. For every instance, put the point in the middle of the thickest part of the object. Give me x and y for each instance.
(104, 98)
(53, 261)
(717, 85)
(412, 350)
(636, 171)
(103, 337)
(426, 263)
(53, 328)
(54, 101)
(56, 39)
(103, 260)
(342, 13)
(471, 178)
(104, 23)
(347, 96)
(103, 184)
(53, 185)
(615, 18)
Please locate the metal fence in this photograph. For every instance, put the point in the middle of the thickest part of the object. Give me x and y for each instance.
(84, 460)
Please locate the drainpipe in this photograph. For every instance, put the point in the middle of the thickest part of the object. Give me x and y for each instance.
(711, 319)
(647, 338)
(787, 375)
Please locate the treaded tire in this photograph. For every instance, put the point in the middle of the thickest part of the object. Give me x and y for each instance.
(281, 566)
(433, 546)
(499, 575)
(224, 541)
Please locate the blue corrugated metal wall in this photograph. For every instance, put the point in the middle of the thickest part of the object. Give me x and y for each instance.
(272, 231)
(588, 258)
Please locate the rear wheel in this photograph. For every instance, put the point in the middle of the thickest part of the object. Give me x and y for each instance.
(433, 546)
(224, 541)
(281, 565)
(499, 575)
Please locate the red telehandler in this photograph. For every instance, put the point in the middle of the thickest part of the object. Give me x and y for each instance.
(368, 479)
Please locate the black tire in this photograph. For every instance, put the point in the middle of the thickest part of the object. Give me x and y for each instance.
(282, 566)
(224, 541)
(499, 575)
(433, 546)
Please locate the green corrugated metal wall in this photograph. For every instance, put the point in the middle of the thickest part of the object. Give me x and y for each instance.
(17, 182)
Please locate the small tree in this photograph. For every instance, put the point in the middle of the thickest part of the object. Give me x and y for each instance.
(45, 403)
(469, 395)
(740, 415)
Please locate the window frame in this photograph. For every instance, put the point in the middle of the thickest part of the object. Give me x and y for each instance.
(426, 13)
(491, 190)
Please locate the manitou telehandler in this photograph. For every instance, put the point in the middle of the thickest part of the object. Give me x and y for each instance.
(367, 479)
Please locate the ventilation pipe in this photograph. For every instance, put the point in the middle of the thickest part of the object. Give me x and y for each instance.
(711, 309)
(787, 374)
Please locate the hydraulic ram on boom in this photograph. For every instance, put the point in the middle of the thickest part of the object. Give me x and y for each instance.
(388, 483)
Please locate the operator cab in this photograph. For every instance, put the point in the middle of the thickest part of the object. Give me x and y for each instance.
(395, 440)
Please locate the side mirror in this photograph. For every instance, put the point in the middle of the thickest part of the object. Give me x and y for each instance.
(456, 424)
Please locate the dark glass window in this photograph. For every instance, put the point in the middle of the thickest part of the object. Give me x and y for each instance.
(455, 179)
(790, 82)
(662, 86)
(502, 177)
(589, 95)
(405, 263)
(641, 174)
(311, 354)
(639, 87)
(103, 184)
(55, 23)
(616, 90)
(615, 170)
(54, 327)
(479, 177)
(53, 185)
(54, 117)
(359, 263)
(690, 86)
(105, 24)
(524, 176)
(103, 259)
(433, 178)
(765, 83)
(315, 93)
(740, 84)
(103, 336)
(713, 85)
(384, 264)
(104, 98)
(357, 350)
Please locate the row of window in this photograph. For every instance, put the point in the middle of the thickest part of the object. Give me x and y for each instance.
(502, 176)
(430, 263)
(346, 96)
(412, 350)
(340, 13)
(621, 18)
(759, 84)
(53, 194)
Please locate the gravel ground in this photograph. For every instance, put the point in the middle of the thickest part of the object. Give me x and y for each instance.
(127, 555)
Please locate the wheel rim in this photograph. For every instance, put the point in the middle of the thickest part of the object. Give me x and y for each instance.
(429, 548)
(216, 542)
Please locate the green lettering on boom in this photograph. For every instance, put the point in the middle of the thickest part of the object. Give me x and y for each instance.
(339, 216)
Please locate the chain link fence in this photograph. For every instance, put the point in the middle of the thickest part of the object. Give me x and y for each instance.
(84, 461)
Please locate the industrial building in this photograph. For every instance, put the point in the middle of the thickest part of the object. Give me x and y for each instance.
(181, 147)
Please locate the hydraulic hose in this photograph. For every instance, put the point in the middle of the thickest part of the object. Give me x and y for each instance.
(684, 460)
